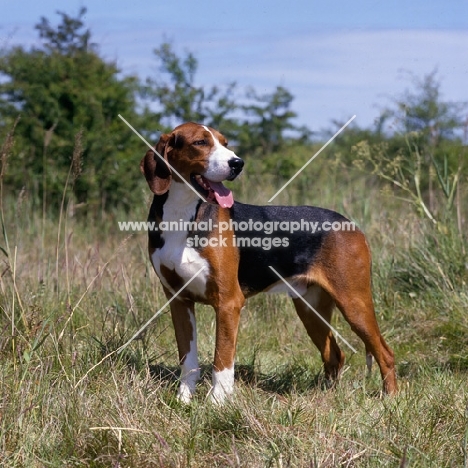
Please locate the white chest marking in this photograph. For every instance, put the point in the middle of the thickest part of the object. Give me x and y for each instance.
(175, 255)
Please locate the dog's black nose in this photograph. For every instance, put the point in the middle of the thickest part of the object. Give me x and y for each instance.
(236, 165)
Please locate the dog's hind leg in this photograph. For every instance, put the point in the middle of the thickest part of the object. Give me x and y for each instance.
(346, 275)
(318, 330)
(358, 309)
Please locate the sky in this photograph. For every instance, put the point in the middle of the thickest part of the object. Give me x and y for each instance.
(337, 58)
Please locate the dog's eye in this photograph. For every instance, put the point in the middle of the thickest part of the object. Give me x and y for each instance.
(199, 143)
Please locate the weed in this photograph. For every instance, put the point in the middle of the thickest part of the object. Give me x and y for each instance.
(67, 398)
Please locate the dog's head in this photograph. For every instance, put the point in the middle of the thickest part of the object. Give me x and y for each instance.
(200, 156)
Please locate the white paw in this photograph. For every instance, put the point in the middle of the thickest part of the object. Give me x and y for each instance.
(188, 383)
(223, 385)
(184, 394)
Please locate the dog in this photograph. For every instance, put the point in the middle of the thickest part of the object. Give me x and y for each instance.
(324, 268)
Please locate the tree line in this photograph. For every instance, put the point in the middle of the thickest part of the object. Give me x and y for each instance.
(64, 98)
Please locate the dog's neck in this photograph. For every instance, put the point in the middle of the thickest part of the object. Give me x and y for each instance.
(180, 202)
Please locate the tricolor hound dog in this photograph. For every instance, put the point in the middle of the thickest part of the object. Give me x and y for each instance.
(326, 267)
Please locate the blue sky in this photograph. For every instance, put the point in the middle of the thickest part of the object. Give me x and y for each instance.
(338, 58)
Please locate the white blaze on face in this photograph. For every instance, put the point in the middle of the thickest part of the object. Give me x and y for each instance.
(218, 161)
(218, 170)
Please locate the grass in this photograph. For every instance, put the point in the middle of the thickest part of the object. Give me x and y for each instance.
(67, 400)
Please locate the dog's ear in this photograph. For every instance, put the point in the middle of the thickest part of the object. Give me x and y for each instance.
(157, 173)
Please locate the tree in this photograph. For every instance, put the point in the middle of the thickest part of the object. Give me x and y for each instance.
(179, 100)
(269, 119)
(423, 157)
(259, 126)
(431, 128)
(66, 38)
(61, 88)
(423, 111)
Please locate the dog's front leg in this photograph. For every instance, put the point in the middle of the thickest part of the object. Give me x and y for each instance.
(183, 318)
(227, 324)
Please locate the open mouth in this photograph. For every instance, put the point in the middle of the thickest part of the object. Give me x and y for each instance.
(214, 192)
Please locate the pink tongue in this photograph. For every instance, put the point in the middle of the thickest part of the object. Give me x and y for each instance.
(222, 194)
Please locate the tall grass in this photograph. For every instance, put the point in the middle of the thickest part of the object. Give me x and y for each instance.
(73, 291)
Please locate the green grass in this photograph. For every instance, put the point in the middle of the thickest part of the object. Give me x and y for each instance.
(67, 400)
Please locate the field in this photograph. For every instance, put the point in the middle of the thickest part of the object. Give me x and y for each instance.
(74, 288)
